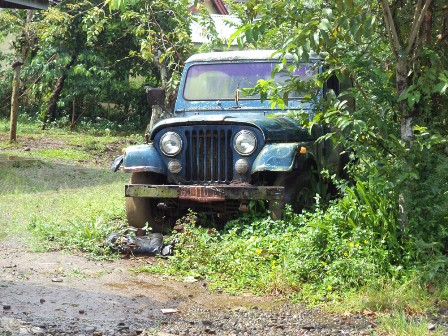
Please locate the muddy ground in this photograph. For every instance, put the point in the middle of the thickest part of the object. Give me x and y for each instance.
(57, 293)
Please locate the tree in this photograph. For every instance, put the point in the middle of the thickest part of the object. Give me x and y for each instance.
(396, 55)
(163, 28)
(18, 24)
(81, 55)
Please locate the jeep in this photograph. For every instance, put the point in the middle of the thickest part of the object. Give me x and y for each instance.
(223, 149)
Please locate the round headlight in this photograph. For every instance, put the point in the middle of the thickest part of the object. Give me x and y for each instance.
(174, 166)
(245, 142)
(171, 143)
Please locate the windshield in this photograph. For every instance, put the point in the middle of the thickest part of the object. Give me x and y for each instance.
(221, 81)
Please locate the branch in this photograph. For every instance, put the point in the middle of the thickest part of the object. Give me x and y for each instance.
(358, 86)
(164, 35)
(416, 24)
(392, 32)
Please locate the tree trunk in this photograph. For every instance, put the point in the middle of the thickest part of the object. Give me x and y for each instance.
(17, 65)
(159, 112)
(52, 104)
(406, 129)
(72, 124)
(22, 51)
(51, 109)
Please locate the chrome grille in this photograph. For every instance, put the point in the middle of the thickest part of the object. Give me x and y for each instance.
(209, 155)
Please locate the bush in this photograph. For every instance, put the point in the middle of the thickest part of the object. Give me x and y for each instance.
(331, 251)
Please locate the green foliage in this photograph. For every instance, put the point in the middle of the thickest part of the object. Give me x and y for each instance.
(101, 59)
(87, 235)
(367, 115)
(323, 252)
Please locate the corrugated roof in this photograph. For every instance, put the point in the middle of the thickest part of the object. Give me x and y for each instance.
(221, 8)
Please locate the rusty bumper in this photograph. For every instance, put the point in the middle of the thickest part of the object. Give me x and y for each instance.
(205, 193)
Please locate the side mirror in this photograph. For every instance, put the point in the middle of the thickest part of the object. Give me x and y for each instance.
(155, 96)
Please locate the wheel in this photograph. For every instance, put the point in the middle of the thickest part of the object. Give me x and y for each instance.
(298, 193)
(143, 211)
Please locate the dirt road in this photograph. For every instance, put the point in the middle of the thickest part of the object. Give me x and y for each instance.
(57, 293)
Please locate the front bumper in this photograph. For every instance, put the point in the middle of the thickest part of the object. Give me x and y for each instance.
(205, 194)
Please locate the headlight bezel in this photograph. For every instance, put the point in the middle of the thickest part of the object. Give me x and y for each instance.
(247, 134)
(164, 142)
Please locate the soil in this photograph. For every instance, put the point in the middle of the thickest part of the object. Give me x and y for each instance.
(61, 293)
(102, 157)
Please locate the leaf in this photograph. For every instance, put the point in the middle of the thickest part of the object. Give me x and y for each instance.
(249, 36)
(325, 25)
(306, 45)
(354, 27)
(327, 11)
(255, 33)
(316, 40)
(240, 42)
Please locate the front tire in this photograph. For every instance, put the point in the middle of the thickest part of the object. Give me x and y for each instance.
(298, 193)
(142, 211)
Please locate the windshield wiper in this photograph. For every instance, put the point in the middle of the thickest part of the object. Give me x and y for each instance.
(237, 98)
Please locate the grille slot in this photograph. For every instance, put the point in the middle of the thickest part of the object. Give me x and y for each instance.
(209, 155)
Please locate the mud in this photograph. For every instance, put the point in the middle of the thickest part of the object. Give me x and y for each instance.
(57, 293)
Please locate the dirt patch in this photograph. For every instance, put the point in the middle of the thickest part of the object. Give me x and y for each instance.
(37, 142)
(101, 154)
(58, 293)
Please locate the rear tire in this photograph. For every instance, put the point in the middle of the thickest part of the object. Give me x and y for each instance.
(143, 211)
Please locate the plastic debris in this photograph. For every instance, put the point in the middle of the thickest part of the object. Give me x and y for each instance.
(148, 245)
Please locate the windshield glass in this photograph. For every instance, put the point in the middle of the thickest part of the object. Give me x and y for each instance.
(221, 81)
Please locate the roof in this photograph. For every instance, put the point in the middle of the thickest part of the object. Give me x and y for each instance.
(24, 4)
(222, 26)
(214, 7)
(220, 7)
(254, 55)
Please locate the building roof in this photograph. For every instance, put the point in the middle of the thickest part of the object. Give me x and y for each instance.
(224, 25)
(213, 6)
(24, 4)
(220, 7)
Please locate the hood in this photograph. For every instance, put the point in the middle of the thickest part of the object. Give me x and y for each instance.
(275, 129)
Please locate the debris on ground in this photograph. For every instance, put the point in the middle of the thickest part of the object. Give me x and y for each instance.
(130, 244)
(166, 311)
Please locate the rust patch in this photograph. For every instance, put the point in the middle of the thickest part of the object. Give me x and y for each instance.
(202, 194)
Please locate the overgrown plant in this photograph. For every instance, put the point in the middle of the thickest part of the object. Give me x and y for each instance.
(329, 251)
(394, 56)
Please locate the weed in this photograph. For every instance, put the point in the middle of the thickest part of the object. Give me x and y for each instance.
(77, 273)
(400, 324)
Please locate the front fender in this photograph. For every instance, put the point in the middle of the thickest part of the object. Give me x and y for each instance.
(143, 158)
(278, 157)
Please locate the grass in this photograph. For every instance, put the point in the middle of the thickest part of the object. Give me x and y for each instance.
(61, 145)
(52, 205)
(401, 324)
(56, 202)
